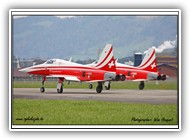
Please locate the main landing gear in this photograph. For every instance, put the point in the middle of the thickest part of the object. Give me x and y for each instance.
(99, 87)
(107, 85)
(141, 85)
(60, 85)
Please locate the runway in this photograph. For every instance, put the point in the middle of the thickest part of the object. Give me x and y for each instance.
(115, 95)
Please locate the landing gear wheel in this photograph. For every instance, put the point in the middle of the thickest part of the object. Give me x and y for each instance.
(107, 87)
(60, 85)
(99, 87)
(141, 85)
(60, 90)
(42, 89)
(90, 86)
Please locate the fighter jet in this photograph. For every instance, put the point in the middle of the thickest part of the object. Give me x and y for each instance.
(104, 70)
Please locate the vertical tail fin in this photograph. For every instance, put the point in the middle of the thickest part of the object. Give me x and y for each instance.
(106, 60)
(149, 61)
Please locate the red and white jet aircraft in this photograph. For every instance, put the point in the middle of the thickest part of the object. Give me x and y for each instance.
(147, 70)
(103, 71)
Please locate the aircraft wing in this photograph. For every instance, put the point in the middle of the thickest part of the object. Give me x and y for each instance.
(67, 77)
(74, 78)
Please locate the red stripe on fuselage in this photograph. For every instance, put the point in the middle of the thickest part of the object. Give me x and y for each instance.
(77, 67)
(80, 68)
(82, 73)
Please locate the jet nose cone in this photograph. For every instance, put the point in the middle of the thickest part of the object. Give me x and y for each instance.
(25, 70)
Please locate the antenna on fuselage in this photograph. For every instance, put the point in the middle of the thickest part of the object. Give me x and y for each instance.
(70, 60)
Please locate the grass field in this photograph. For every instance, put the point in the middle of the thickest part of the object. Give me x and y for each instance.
(27, 111)
(165, 85)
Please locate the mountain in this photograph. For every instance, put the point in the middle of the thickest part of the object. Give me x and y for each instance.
(82, 37)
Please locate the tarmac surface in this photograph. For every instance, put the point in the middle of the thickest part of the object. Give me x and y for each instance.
(115, 95)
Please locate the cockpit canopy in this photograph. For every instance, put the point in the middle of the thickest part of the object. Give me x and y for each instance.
(57, 62)
(51, 61)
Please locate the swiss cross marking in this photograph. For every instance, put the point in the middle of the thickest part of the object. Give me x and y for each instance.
(153, 65)
(111, 64)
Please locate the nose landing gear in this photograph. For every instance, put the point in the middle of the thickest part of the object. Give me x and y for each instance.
(42, 89)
